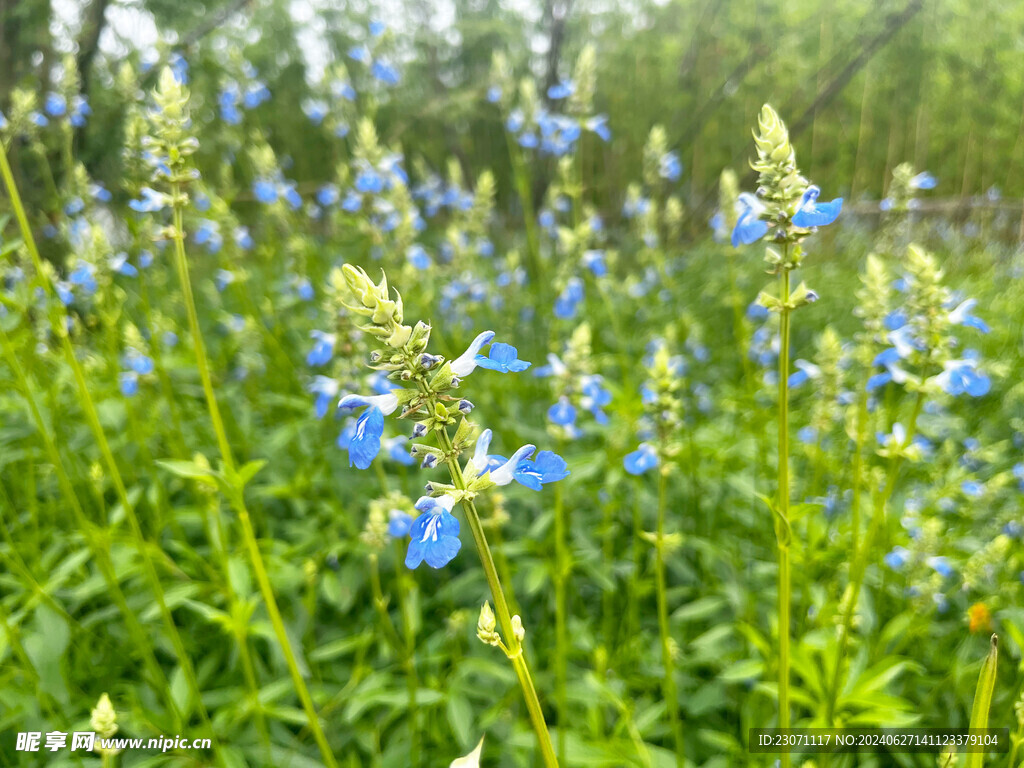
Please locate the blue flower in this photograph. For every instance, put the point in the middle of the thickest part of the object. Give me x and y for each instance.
(961, 315)
(343, 89)
(377, 28)
(811, 214)
(352, 202)
(962, 376)
(807, 435)
(150, 202)
(255, 94)
(595, 397)
(599, 125)
(128, 382)
(323, 349)
(897, 558)
(494, 94)
(365, 443)
(502, 471)
(369, 182)
(84, 275)
(242, 238)
(265, 191)
(923, 180)
(385, 72)
(940, 565)
(325, 389)
(55, 105)
(503, 358)
(434, 534)
(972, 488)
(467, 362)
(749, 226)
(316, 110)
(561, 90)
(418, 257)
(119, 263)
(562, 413)
(569, 299)
(547, 467)
(228, 102)
(291, 195)
(327, 195)
(139, 363)
(641, 460)
(594, 261)
(399, 523)
(805, 371)
(359, 53)
(669, 167)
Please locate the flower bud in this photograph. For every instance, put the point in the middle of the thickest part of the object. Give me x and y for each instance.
(104, 718)
(485, 626)
(517, 628)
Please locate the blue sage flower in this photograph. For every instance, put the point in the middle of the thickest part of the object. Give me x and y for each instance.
(547, 467)
(940, 565)
(150, 202)
(326, 389)
(323, 349)
(961, 315)
(641, 460)
(364, 444)
(811, 214)
(961, 376)
(749, 226)
(503, 358)
(923, 180)
(561, 90)
(669, 166)
(562, 413)
(399, 523)
(434, 534)
(897, 558)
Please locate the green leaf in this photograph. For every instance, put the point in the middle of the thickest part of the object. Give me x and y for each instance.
(188, 469)
(983, 699)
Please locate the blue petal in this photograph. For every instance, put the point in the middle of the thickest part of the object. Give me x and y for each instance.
(748, 230)
(818, 214)
(365, 443)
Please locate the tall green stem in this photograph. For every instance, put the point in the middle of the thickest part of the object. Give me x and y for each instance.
(782, 524)
(237, 497)
(409, 657)
(860, 562)
(667, 660)
(561, 644)
(515, 647)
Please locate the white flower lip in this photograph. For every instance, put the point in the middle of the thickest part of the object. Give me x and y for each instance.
(504, 474)
(465, 363)
(387, 404)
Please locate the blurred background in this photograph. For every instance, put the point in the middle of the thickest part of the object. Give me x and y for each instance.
(863, 86)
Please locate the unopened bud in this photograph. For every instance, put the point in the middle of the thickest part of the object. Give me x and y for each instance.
(485, 626)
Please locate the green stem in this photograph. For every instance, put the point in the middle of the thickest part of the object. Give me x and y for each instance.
(859, 568)
(667, 660)
(522, 182)
(237, 498)
(782, 525)
(561, 646)
(409, 656)
(515, 648)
